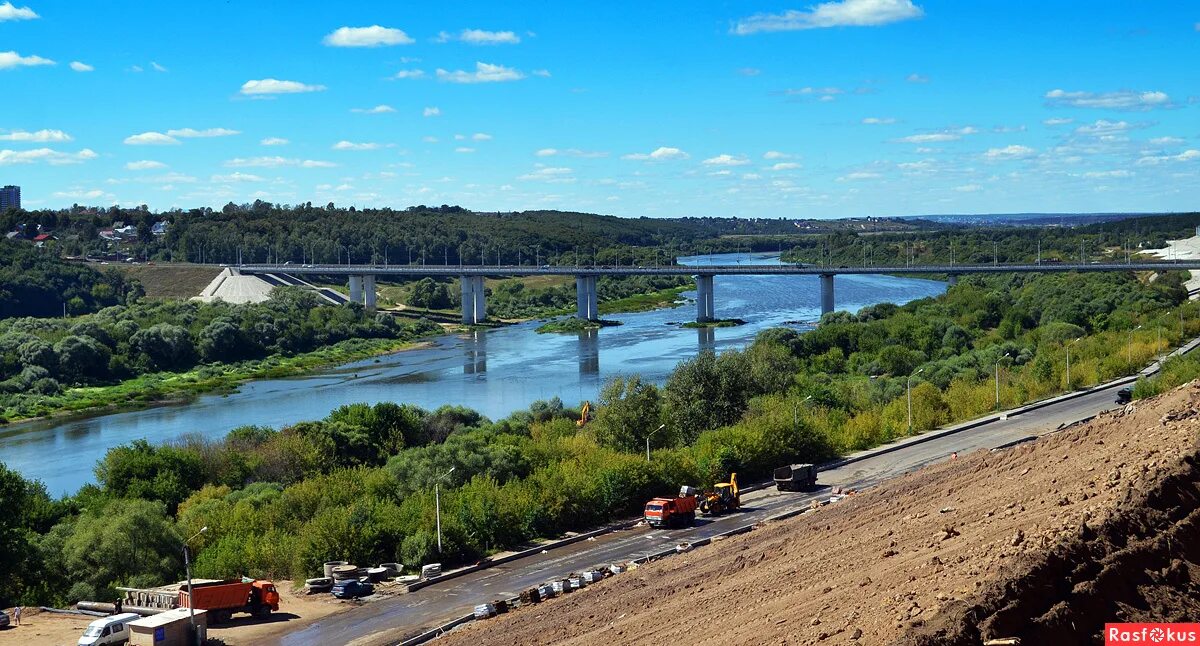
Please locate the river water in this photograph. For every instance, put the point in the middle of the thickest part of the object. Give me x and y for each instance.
(495, 372)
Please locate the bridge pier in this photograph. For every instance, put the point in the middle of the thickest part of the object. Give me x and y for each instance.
(826, 294)
(705, 311)
(356, 289)
(585, 298)
(952, 279)
(369, 291)
(474, 300)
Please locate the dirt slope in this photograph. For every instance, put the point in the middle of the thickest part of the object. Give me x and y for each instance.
(168, 280)
(1046, 540)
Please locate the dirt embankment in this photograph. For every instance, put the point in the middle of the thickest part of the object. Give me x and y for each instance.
(1045, 541)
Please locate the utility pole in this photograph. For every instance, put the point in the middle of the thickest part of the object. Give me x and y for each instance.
(1069, 362)
(910, 426)
(648, 440)
(1129, 348)
(437, 504)
(998, 379)
(187, 567)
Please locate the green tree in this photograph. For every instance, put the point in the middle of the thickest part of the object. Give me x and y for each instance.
(629, 411)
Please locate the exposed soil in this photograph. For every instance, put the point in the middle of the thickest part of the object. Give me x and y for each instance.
(1044, 541)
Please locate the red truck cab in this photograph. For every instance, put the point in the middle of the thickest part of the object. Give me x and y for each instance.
(671, 512)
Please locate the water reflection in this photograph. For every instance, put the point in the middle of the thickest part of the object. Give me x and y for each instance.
(707, 339)
(589, 352)
(475, 353)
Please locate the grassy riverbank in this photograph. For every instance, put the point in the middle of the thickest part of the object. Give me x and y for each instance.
(167, 387)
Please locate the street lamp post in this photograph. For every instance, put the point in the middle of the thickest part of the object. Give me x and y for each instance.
(1069, 362)
(437, 504)
(910, 398)
(661, 427)
(187, 568)
(998, 379)
(796, 411)
(1129, 347)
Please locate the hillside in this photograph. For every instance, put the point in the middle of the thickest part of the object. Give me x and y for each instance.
(1045, 541)
(169, 280)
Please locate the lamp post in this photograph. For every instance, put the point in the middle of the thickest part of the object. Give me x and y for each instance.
(1129, 346)
(1069, 362)
(910, 398)
(998, 379)
(661, 427)
(187, 568)
(796, 411)
(437, 504)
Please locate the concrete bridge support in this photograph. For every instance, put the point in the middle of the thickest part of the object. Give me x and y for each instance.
(356, 289)
(585, 298)
(474, 300)
(369, 291)
(705, 310)
(480, 300)
(826, 293)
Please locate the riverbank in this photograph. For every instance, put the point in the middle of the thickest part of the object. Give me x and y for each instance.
(162, 388)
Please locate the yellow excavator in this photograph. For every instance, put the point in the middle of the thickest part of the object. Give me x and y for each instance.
(585, 414)
(723, 498)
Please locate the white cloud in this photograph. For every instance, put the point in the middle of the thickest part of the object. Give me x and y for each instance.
(878, 121)
(785, 166)
(157, 67)
(1013, 151)
(775, 154)
(81, 67)
(236, 177)
(481, 37)
(1108, 174)
(431, 112)
(9, 12)
(83, 194)
(276, 162)
(379, 109)
(1185, 156)
(481, 136)
(274, 141)
(145, 164)
(916, 78)
(662, 153)
(40, 136)
(10, 59)
(1166, 141)
(373, 36)
(429, 139)
(1120, 100)
(549, 174)
(541, 73)
(1104, 127)
(275, 86)
(749, 71)
(207, 132)
(151, 139)
(350, 145)
(858, 175)
(1057, 121)
(464, 149)
(951, 134)
(968, 188)
(410, 74)
(725, 160)
(547, 152)
(484, 73)
(843, 13)
(48, 155)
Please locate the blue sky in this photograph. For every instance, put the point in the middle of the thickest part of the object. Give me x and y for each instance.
(792, 109)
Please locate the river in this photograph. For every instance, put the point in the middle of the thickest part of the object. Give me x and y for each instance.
(495, 372)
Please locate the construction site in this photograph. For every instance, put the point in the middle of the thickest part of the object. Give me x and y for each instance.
(1040, 543)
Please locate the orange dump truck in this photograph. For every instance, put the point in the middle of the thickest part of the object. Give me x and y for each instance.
(672, 512)
(223, 598)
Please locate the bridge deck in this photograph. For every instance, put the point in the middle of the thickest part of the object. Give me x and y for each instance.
(708, 270)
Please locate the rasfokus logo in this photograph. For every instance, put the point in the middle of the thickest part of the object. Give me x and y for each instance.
(1151, 634)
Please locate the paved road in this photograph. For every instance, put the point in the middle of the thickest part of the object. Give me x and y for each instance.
(396, 618)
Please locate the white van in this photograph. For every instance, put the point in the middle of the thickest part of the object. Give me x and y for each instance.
(113, 629)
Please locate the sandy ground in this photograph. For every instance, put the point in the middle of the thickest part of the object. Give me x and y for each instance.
(49, 629)
(927, 558)
(1186, 249)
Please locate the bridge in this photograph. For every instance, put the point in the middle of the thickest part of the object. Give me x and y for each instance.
(362, 278)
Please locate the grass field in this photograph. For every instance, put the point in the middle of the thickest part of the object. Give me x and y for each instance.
(167, 280)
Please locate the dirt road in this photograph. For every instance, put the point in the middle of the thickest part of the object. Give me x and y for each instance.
(932, 557)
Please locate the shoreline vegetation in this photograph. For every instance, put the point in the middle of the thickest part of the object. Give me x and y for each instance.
(355, 485)
(570, 324)
(713, 324)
